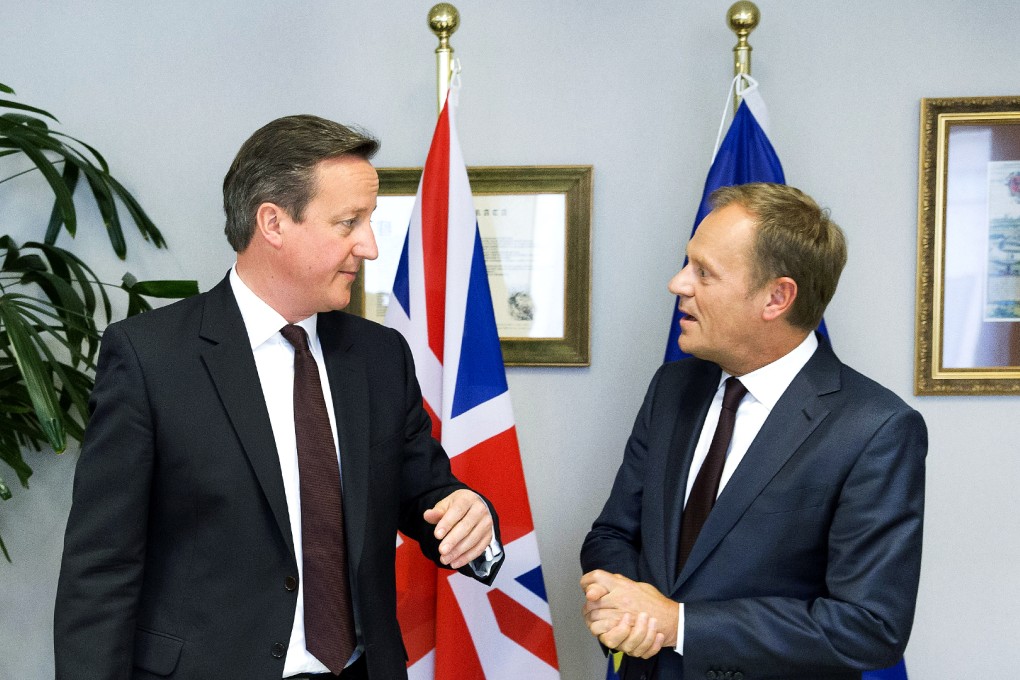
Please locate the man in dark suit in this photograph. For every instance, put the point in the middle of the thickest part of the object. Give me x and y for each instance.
(766, 520)
(188, 548)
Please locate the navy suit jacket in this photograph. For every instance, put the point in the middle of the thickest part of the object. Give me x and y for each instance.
(178, 556)
(808, 564)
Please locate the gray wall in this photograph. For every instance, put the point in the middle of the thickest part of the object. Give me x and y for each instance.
(168, 91)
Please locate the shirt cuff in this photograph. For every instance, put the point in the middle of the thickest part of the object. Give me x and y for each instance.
(484, 563)
(679, 649)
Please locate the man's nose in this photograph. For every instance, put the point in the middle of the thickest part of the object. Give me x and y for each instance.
(366, 248)
(680, 283)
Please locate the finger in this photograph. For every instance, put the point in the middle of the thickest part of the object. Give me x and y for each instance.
(595, 592)
(660, 639)
(635, 636)
(641, 644)
(615, 636)
(464, 534)
(472, 547)
(447, 512)
(594, 612)
(595, 576)
(436, 512)
(603, 620)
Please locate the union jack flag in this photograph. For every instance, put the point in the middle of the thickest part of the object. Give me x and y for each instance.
(453, 626)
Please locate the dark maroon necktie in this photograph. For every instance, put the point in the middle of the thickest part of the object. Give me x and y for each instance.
(706, 484)
(329, 618)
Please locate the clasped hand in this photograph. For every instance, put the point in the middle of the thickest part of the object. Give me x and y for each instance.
(463, 527)
(628, 616)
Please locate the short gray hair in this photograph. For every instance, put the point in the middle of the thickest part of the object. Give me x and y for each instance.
(793, 237)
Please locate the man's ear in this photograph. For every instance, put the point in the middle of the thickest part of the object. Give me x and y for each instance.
(782, 293)
(269, 219)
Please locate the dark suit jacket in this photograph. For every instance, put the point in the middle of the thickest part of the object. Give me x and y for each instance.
(178, 558)
(808, 564)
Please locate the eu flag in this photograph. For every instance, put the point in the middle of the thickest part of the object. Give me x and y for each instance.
(897, 672)
(745, 155)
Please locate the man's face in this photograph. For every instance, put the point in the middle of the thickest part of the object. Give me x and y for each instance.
(722, 319)
(323, 252)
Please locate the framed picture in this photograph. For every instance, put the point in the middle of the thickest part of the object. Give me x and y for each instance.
(535, 225)
(968, 273)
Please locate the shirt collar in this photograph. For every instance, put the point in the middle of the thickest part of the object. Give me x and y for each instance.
(261, 321)
(768, 383)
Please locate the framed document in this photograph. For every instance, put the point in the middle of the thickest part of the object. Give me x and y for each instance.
(535, 225)
(968, 283)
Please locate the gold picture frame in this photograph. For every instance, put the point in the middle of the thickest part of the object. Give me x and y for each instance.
(561, 336)
(968, 247)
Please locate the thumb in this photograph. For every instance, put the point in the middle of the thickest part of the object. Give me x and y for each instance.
(595, 592)
(436, 512)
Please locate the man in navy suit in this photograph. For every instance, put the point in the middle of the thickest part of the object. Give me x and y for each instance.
(807, 564)
(183, 556)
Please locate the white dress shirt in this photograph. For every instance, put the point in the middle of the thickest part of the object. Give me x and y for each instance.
(764, 388)
(274, 360)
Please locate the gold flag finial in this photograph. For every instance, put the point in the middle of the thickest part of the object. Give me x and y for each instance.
(444, 19)
(742, 17)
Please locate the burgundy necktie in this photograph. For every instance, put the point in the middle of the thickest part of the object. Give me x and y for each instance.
(706, 484)
(329, 618)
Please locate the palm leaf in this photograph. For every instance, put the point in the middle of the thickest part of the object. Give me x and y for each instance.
(21, 107)
(107, 206)
(70, 177)
(163, 289)
(29, 143)
(24, 344)
(104, 167)
(141, 219)
(82, 275)
(12, 456)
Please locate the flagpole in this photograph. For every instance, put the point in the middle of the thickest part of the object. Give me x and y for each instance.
(443, 20)
(743, 17)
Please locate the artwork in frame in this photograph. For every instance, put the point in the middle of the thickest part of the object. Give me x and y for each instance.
(968, 273)
(535, 225)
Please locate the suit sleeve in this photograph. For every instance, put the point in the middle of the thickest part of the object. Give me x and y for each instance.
(871, 577)
(105, 541)
(426, 477)
(614, 542)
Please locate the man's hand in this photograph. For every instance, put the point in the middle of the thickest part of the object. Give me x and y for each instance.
(632, 617)
(463, 526)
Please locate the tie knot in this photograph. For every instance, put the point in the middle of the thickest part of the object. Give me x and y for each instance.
(735, 391)
(296, 336)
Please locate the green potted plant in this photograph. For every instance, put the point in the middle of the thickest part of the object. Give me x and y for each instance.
(52, 305)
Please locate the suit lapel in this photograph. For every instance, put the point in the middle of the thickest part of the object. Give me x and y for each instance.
(795, 416)
(694, 400)
(231, 365)
(348, 383)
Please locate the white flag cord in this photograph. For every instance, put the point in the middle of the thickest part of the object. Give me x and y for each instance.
(747, 88)
(453, 94)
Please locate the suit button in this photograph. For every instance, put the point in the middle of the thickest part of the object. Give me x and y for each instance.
(278, 649)
(710, 675)
(728, 675)
(290, 583)
(738, 676)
